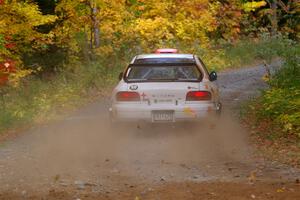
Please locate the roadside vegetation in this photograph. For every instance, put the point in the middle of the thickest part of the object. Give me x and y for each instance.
(56, 55)
(281, 103)
(275, 116)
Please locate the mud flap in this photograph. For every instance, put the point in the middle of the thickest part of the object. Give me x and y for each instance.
(219, 109)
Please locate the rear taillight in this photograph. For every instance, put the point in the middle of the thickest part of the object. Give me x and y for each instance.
(198, 96)
(128, 96)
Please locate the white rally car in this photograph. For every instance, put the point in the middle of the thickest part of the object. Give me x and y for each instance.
(165, 87)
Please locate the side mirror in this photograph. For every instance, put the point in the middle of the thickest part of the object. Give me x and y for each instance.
(213, 76)
(120, 76)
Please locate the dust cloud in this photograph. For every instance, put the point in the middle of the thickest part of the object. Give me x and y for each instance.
(87, 148)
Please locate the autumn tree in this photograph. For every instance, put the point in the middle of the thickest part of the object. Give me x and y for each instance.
(160, 23)
(228, 15)
(91, 27)
(282, 15)
(18, 35)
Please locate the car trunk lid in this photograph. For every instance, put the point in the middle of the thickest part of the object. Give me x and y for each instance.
(163, 92)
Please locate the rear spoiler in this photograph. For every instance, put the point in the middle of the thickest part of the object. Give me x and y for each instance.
(161, 64)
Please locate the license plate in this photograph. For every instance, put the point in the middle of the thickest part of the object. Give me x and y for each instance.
(163, 101)
(162, 116)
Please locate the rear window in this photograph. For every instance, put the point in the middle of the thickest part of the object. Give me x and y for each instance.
(153, 73)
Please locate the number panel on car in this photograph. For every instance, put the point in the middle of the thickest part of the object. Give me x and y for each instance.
(163, 116)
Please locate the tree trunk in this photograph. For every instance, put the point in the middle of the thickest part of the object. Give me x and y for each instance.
(91, 38)
(2, 100)
(274, 20)
(96, 26)
(86, 46)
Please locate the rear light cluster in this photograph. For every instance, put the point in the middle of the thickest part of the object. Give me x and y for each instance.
(190, 96)
(128, 96)
(198, 96)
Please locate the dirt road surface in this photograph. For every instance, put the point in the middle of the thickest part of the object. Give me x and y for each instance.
(82, 157)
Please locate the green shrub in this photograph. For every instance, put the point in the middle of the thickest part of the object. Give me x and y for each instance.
(38, 99)
(281, 103)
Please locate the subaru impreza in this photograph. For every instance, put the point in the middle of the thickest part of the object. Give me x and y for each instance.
(165, 87)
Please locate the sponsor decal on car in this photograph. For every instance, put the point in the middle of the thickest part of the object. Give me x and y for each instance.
(133, 87)
(190, 111)
(144, 97)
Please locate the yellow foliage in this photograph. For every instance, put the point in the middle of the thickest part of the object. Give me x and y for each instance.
(104, 51)
(148, 24)
(18, 21)
(154, 31)
(20, 18)
(165, 22)
(253, 5)
(15, 78)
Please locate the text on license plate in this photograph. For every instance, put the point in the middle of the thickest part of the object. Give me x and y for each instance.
(162, 115)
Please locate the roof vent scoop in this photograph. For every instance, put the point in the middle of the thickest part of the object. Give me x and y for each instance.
(160, 51)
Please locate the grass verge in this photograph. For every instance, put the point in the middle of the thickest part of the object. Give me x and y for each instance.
(38, 100)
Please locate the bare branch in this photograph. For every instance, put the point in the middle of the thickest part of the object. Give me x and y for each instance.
(269, 2)
(283, 6)
(289, 4)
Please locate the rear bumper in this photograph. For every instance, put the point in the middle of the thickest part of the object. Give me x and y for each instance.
(139, 112)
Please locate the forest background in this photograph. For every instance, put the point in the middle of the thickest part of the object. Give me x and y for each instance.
(56, 55)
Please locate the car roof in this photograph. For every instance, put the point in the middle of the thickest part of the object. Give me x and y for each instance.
(164, 58)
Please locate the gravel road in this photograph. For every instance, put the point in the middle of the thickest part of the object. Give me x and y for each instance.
(82, 157)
